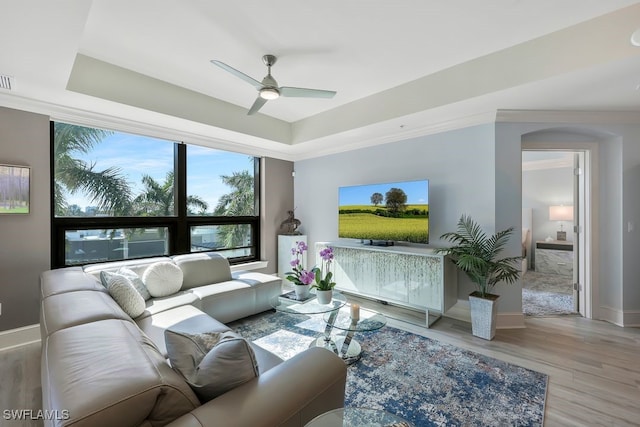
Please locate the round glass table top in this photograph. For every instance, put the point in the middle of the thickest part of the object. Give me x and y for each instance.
(358, 417)
(309, 306)
(369, 321)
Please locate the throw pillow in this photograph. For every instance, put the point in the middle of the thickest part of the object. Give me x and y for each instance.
(125, 294)
(136, 281)
(162, 279)
(212, 363)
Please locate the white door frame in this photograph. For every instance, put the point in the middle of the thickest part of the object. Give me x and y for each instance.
(589, 268)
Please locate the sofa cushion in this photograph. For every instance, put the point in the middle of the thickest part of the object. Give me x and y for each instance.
(211, 362)
(185, 318)
(126, 295)
(69, 279)
(203, 269)
(108, 373)
(158, 305)
(61, 311)
(162, 279)
(136, 265)
(135, 279)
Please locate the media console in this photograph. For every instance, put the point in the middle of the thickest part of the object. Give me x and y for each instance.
(407, 276)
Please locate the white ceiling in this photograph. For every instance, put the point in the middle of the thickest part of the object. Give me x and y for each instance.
(400, 68)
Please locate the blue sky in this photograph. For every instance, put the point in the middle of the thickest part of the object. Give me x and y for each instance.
(138, 155)
(417, 192)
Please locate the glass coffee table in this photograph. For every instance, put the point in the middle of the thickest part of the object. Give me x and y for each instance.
(345, 346)
(309, 306)
(358, 417)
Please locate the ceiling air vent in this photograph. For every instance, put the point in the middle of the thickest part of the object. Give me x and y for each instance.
(7, 82)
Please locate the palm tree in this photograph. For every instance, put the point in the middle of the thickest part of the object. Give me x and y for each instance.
(240, 202)
(157, 199)
(108, 188)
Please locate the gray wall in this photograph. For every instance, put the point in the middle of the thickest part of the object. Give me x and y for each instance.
(24, 239)
(478, 171)
(277, 199)
(460, 166)
(616, 249)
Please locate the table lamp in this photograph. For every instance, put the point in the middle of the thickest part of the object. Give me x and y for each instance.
(561, 213)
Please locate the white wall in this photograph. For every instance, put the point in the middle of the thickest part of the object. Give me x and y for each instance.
(460, 166)
(541, 188)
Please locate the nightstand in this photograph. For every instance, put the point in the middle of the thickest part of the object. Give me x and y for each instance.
(554, 257)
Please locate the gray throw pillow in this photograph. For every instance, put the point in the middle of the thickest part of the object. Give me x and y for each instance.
(125, 294)
(212, 363)
(136, 281)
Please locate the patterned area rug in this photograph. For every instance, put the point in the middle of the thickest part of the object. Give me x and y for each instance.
(546, 294)
(424, 381)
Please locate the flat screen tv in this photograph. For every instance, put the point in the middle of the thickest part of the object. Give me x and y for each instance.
(385, 213)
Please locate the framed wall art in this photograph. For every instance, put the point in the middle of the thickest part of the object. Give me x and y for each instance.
(14, 189)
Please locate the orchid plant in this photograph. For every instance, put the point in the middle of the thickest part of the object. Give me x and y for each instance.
(298, 275)
(321, 276)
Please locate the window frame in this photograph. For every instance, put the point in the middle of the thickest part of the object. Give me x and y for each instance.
(178, 226)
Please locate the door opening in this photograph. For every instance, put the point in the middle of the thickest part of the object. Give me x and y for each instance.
(555, 191)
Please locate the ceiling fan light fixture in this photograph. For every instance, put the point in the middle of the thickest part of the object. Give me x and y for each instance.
(635, 37)
(269, 93)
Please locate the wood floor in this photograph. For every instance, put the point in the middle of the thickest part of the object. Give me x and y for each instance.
(593, 366)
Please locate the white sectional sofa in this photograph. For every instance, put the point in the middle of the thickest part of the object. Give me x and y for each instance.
(101, 367)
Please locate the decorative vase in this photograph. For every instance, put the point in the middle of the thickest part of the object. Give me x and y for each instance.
(484, 313)
(324, 297)
(302, 292)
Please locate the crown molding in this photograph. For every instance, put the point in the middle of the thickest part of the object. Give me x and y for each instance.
(337, 144)
(563, 116)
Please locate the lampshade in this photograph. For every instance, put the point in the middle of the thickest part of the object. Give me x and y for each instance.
(269, 93)
(561, 213)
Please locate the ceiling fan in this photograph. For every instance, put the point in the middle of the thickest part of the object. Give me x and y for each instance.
(268, 89)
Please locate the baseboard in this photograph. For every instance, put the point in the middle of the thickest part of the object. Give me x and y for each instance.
(631, 318)
(461, 311)
(19, 336)
(510, 321)
(611, 315)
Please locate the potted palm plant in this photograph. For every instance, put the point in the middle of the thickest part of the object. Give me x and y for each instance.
(476, 254)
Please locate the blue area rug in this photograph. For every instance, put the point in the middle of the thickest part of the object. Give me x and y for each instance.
(424, 381)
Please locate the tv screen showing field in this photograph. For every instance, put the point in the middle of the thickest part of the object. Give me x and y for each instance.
(397, 211)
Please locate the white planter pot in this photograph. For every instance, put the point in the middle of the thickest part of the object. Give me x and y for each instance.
(324, 297)
(302, 291)
(484, 314)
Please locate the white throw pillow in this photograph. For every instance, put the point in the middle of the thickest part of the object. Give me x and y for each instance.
(162, 279)
(125, 294)
(212, 363)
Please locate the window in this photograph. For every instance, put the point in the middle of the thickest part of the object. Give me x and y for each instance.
(120, 196)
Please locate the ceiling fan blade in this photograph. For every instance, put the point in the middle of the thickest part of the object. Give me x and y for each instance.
(306, 93)
(259, 102)
(253, 82)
